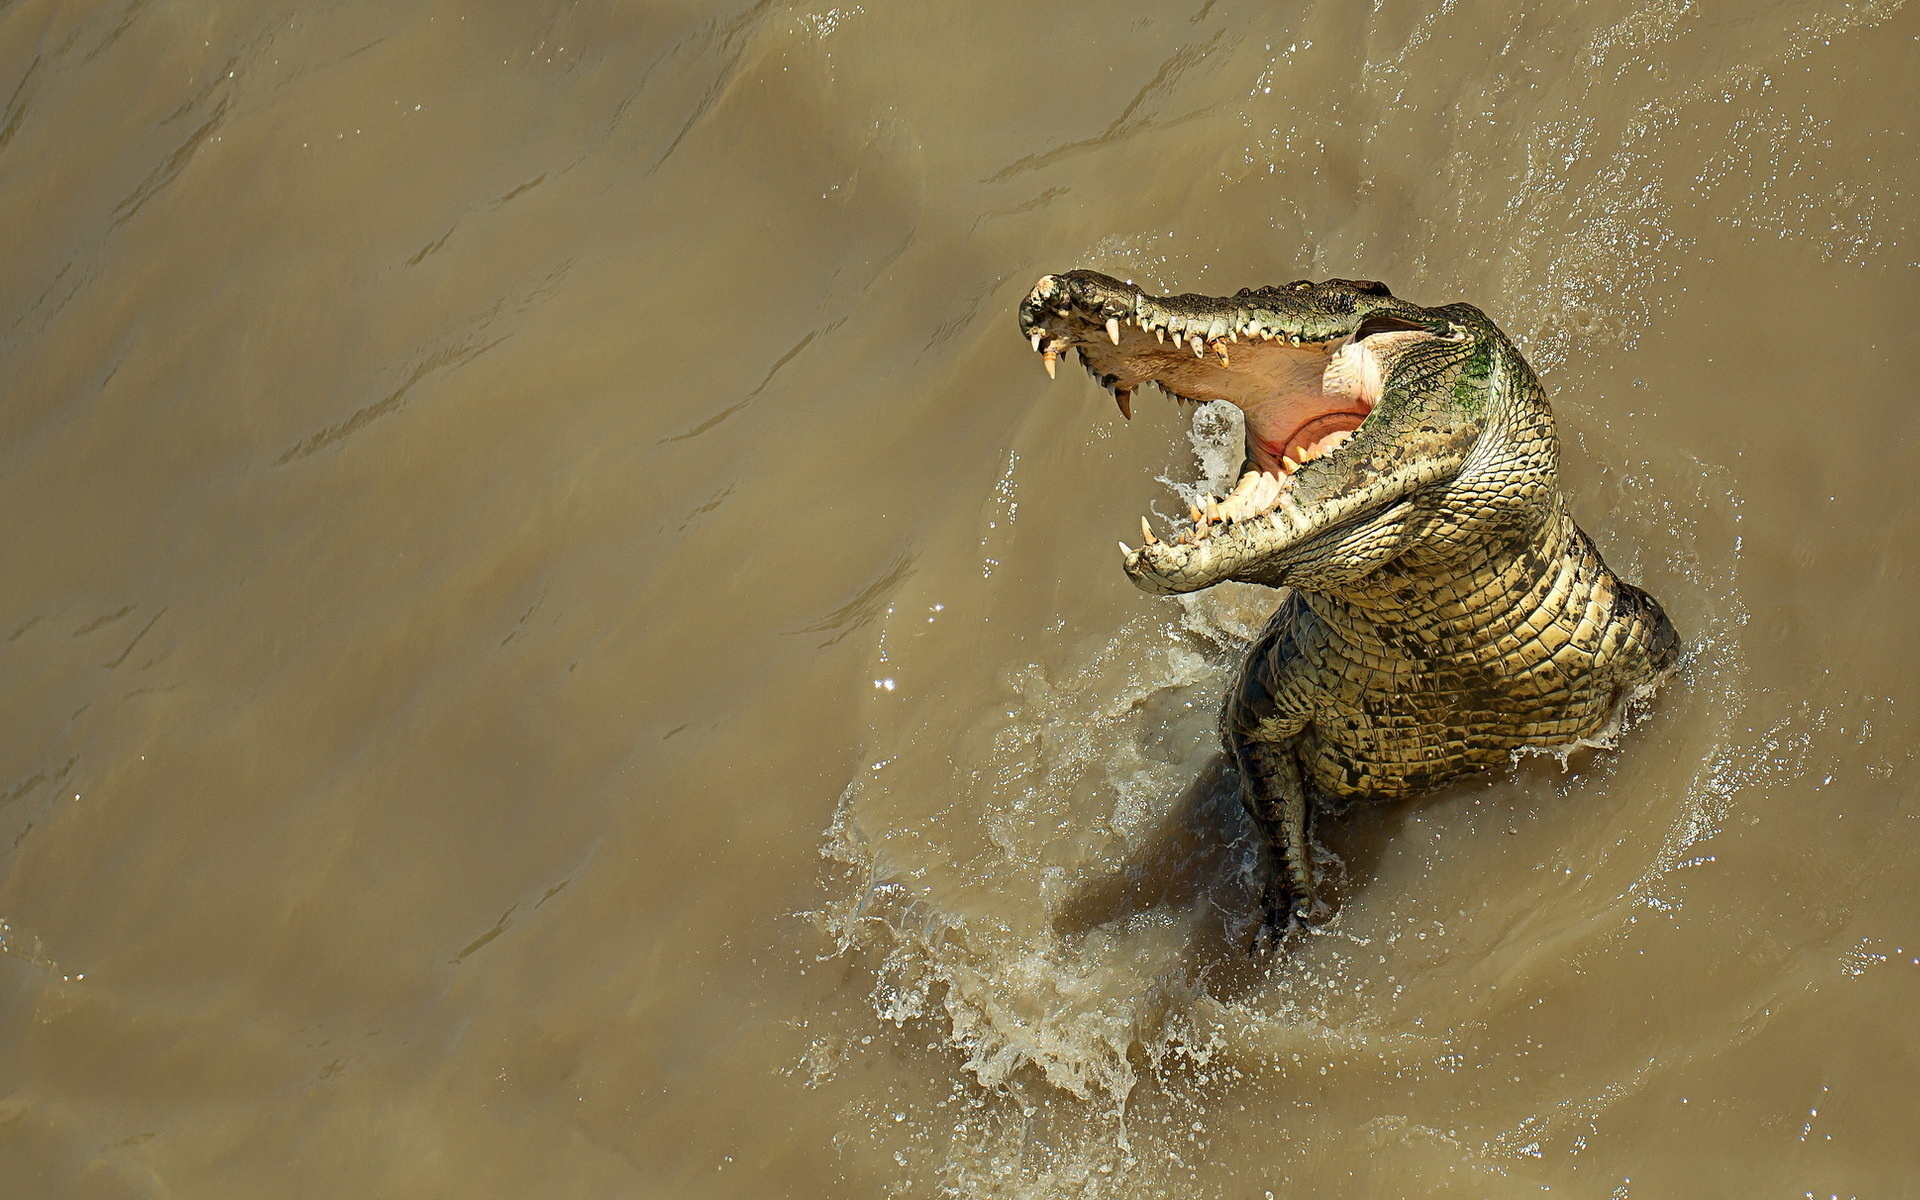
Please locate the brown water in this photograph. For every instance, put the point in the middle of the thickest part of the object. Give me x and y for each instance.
(494, 489)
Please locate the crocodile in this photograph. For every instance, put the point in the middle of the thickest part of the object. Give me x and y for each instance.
(1443, 613)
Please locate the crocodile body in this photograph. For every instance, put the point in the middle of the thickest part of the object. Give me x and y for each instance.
(1401, 480)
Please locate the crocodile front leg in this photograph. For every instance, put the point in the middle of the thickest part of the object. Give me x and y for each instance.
(1261, 726)
(1272, 791)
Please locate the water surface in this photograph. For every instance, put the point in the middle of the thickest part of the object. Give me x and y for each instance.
(557, 642)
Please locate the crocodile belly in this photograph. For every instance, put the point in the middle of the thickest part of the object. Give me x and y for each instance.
(1386, 745)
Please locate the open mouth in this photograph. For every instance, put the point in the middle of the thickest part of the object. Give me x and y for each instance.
(1306, 381)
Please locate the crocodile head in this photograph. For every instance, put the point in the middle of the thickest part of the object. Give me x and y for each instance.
(1374, 428)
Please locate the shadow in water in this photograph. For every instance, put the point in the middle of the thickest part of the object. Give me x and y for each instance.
(1199, 852)
(1203, 852)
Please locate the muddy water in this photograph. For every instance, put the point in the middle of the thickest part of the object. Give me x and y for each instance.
(495, 491)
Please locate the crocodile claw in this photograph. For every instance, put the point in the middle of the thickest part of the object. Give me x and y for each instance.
(1281, 915)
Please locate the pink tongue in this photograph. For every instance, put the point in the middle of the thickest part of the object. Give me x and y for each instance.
(1320, 436)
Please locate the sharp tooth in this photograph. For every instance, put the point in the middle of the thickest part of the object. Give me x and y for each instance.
(1159, 335)
(1233, 335)
(1113, 329)
(1300, 452)
(1126, 551)
(1052, 362)
(1294, 338)
(1146, 533)
(1199, 346)
(1222, 352)
(1039, 335)
(1195, 513)
(1289, 464)
(1124, 398)
(1213, 510)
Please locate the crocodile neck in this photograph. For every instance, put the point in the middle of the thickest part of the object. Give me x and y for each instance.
(1501, 605)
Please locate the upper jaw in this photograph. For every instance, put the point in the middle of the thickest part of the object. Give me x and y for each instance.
(1299, 312)
(1307, 363)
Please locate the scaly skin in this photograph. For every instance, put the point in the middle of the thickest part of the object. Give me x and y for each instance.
(1445, 611)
